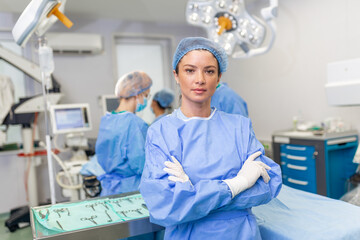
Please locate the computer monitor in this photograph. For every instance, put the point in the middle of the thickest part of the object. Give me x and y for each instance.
(69, 118)
(109, 103)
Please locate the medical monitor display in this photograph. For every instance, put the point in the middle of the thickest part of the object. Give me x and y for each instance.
(67, 118)
(109, 103)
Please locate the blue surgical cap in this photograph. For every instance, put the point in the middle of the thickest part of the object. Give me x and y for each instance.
(132, 84)
(195, 43)
(164, 97)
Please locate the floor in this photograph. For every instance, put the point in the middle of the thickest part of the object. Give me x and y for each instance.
(19, 234)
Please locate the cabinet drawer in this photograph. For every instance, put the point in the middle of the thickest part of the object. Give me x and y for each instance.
(297, 155)
(297, 150)
(305, 173)
(299, 184)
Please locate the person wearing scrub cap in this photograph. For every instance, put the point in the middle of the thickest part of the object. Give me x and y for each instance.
(227, 100)
(121, 138)
(204, 168)
(161, 103)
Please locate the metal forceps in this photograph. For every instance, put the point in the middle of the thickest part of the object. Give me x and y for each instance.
(117, 202)
(104, 204)
(60, 210)
(91, 206)
(44, 215)
(91, 219)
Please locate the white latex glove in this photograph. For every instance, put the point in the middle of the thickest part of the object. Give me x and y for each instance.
(248, 175)
(175, 170)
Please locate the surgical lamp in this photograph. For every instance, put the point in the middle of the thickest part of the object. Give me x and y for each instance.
(38, 17)
(228, 23)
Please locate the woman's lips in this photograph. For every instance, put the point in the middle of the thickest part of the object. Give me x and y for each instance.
(199, 90)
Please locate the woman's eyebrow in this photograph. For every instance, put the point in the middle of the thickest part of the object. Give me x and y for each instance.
(210, 66)
(189, 65)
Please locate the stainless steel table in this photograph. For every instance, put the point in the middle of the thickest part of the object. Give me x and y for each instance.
(126, 227)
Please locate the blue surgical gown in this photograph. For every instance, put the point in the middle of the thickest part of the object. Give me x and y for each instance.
(159, 117)
(227, 100)
(210, 150)
(120, 152)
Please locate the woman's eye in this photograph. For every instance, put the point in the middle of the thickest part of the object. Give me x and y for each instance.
(189, 70)
(210, 71)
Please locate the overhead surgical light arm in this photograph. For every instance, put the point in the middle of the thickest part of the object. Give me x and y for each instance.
(228, 23)
(38, 17)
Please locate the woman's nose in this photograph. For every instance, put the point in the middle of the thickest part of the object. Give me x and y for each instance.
(200, 79)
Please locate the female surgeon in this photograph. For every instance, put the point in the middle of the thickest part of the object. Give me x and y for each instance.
(121, 139)
(204, 168)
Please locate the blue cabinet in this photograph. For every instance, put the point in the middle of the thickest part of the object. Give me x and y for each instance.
(298, 166)
(317, 164)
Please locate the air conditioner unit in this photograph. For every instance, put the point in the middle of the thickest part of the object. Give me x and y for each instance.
(76, 43)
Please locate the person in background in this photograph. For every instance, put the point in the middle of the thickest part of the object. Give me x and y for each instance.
(227, 100)
(121, 138)
(204, 168)
(162, 102)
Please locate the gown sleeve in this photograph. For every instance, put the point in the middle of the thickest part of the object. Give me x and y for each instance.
(260, 192)
(171, 203)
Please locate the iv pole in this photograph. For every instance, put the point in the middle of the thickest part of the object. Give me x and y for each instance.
(42, 13)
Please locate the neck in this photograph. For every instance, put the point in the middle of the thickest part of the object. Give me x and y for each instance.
(127, 104)
(158, 111)
(195, 109)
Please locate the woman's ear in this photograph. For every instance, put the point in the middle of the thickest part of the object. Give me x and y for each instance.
(176, 77)
(219, 77)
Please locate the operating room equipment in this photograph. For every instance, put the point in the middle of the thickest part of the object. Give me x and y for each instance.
(38, 17)
(316, 163)
(72, 120)
(108, 220)
(24, 113)
(109, 103)
(227, 22)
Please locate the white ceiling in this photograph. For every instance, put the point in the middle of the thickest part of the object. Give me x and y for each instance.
(134, 10)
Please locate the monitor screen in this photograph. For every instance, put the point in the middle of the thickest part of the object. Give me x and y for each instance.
(109, 103)
(67, 118)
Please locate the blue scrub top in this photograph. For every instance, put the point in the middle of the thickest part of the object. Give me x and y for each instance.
(120, 152)
(210, 150)
(227, 100)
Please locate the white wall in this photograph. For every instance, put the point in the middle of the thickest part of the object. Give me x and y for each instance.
(290, 79)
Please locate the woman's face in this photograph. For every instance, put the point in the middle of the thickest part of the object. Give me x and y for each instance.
(198, 76)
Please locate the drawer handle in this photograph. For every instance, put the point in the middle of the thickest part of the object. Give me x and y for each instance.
(304, 183)
(296, 157)
(297, 167)
(296, 148)
(341, 141)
